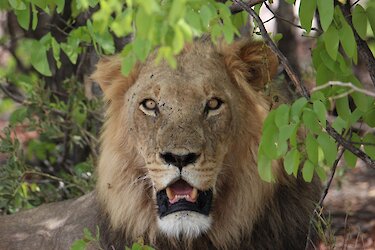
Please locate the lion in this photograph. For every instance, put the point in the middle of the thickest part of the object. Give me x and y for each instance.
(178, 160)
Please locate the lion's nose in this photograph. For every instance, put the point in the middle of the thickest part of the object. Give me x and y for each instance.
(179, 161)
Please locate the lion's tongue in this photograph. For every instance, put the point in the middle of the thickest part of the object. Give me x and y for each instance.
(181, 190)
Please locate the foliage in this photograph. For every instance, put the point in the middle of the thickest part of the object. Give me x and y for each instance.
(333, 58)
(43, 171)
(90, 240)
(58, 163)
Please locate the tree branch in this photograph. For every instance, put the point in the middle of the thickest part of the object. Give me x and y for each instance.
(15, 98)
(284, 61)
(300, 87)
(363, 49)
(342, 84)
(289, 22)
(319, 206)
(236, 8)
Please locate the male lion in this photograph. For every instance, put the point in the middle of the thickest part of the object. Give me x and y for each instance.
(178, 161)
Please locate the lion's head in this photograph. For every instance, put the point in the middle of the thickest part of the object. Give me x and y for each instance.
(179, 146)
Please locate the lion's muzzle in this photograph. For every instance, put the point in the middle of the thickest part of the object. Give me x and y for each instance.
(180, 196)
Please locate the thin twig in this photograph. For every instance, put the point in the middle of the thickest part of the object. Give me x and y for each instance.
(300, 87)
(22, 101)
(354, 3)
(289, 22)
(319, 206)
(15, 98)
(363, 143)
(349, 146)
(291, 73)
(347, 85)
(236, 8)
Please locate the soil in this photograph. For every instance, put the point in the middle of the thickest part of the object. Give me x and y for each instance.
(350, 205)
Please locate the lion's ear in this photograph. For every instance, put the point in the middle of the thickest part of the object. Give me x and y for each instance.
(252, 61)
(110, 79)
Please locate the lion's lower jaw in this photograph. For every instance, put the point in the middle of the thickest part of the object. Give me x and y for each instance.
(184, 224)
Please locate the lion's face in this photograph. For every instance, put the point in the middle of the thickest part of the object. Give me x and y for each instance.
(181, 121)
(172, 137)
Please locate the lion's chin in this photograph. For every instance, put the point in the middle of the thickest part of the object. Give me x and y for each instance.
(184, 224)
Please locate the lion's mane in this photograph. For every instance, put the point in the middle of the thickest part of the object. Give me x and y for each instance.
(248, 213)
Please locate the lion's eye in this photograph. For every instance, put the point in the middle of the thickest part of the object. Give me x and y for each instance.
(213, 104)
(149, 107)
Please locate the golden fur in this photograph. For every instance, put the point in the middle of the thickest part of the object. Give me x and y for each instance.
(246, 210)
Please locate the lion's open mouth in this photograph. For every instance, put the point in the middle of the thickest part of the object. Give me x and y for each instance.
(180, 196)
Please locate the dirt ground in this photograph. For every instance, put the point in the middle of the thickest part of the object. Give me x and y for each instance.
(350, 204)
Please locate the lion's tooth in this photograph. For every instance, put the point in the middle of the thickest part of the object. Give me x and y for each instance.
(194, 194)
(170, 194)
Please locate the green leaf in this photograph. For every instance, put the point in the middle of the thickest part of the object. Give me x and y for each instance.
(265, 168)
(282, 115)
(281, 147)
(127, 64)
(286, 131)
(369, 145)
(56, 51)
(308, 171)
(329, 148)
(362, 101)
(35, 17)
(350, 159)
(339, 124)
(310, 120)
(70, 51)
(369, 117)
(39, 58)
(206, 15)
(370, 13)
(240, 19)
(297, 106)
(326, 10)
(306, 13)
(321, 173)
(186, 30)
(359, 19)
(228, 31)
(343, 109)
(18, 115)
(143, 23)
(292, 161)
(178, 40)
(312, 149)
(150, 6)
(79, 113)
(17, 4)
(331, 41)
(40, 3)
(141, 48)
(347, 40)
(78, 245)
(81, 168)
(355, 116)
(177, 11)
(23, 17)
(323, 75)
(321, 112)
(269, 141)
(60, 5)
(88, 235)
(193, 19)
